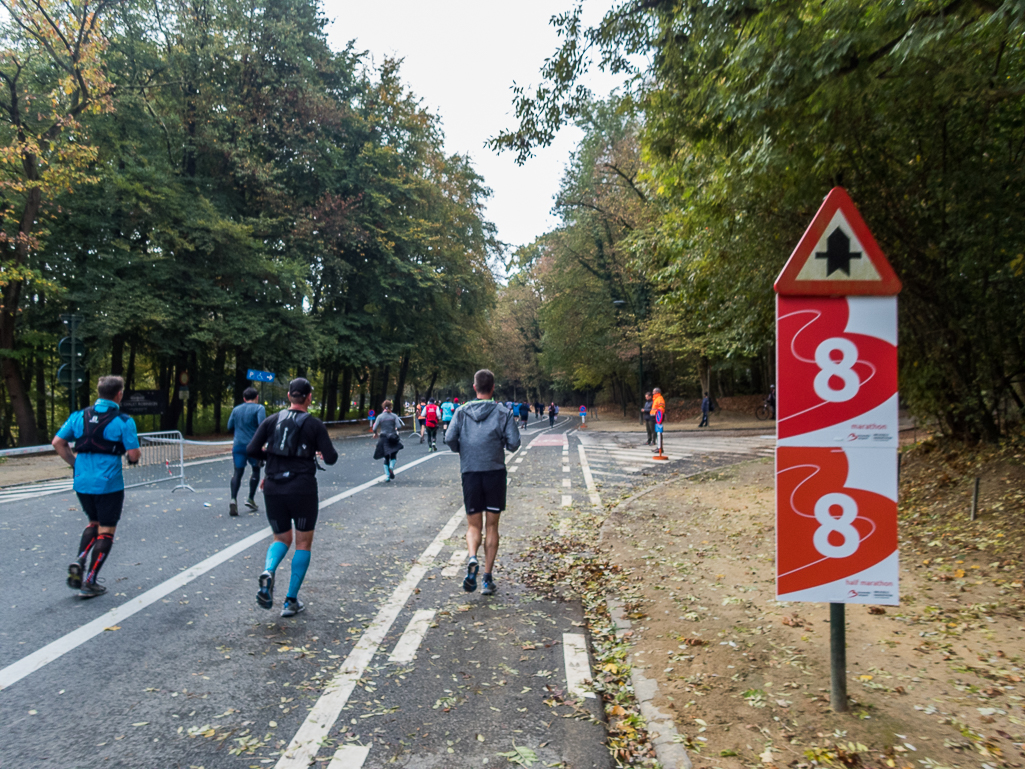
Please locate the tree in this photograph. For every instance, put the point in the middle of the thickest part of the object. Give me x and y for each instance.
(52, 75)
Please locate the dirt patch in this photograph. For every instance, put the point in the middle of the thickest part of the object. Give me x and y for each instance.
(935, 682)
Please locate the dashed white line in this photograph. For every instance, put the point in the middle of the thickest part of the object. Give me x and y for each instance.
(565, 483)
(565, 468)
(349, 757)
(455, 564)
(578, 667)
(567, 500)
(412, 636)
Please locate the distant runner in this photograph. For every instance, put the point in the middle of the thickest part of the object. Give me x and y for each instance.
(480, 434)
(386, 428)
(101, 435)
(432, 414)
(447, 409)
(293, 439)
(552, 411)
(244, 420)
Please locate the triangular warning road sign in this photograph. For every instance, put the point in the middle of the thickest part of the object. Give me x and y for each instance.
(837, 256)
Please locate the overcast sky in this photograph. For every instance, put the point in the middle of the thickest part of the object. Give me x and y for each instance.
(462, 57)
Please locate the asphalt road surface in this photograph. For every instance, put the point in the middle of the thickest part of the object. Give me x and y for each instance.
(391, 664)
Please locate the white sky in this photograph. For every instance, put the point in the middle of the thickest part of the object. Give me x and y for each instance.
(461, 58)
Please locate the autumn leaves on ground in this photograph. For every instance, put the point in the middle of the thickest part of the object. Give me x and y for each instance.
(935, 682)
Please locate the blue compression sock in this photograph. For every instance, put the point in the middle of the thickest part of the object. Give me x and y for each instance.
(275, 553)
(300, 563)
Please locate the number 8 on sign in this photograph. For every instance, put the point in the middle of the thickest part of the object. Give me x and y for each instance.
(830, 525)
(842, 369)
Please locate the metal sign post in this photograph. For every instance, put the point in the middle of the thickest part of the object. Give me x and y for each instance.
(836, 428)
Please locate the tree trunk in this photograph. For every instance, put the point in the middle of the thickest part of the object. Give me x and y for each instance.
(345, 396)
(193, 394)
(400, 386)
(362, 378)
(217, 384)
(117, 355)
(331, 394)
(241, 383)
(130, 374)
(704, 373)
(430, 387)
(41, 395)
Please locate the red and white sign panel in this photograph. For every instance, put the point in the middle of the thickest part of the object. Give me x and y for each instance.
(836, 526)
(836, 360)
(836, 414)
(837, 256)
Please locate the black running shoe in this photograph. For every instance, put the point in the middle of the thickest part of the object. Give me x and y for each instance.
(470, 580)
(75, 575)
(91, 590)
(232, 508)
(251, 504)
(265, 595)
(292, 607)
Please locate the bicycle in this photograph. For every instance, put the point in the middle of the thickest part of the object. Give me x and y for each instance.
(765, 411)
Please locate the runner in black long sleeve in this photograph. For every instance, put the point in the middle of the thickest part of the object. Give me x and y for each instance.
(293, 440)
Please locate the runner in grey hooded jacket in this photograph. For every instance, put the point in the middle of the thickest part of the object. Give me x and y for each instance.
(480, 432)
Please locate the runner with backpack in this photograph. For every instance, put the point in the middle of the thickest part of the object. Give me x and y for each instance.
(431, 416)
(293, 439)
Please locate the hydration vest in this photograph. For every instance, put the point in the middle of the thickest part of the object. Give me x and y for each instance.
(285, 440)
(93, 425)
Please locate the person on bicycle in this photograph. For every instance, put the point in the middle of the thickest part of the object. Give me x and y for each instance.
(770, 402)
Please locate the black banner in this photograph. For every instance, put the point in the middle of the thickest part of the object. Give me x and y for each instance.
(141, 402)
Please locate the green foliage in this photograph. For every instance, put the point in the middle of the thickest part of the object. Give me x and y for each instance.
(256, 199)
(750, 112)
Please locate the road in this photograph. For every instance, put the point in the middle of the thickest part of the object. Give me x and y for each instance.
(392, 664)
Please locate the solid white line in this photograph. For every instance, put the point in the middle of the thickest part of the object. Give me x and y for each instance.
(56, 649)
(207, 461)
(588, 478)
(349, 757)
(302, 750)
(412, 636)
(33, 662)
(578, 668)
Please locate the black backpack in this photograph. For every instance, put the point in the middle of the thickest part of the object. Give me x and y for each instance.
(285, 441)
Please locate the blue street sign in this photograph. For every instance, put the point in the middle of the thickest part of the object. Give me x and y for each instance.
(259, 376)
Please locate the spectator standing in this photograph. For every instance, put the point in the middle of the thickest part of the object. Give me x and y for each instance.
(649, 420)
(706, 406)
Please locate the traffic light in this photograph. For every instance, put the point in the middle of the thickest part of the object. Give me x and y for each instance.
(72, 355)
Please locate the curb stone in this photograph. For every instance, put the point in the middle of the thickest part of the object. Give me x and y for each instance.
(661, 726)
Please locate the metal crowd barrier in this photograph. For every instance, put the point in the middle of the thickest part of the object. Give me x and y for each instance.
(163, 459)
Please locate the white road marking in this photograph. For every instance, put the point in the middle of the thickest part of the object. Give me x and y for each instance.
(519, 459)
(565, 483)
(567, 500)
(455, 564)
(513, 469)
(409, 642)
(349, 757)
(565, 468)
(592, 490)
(578, 667)
(57, 649)
(302, 750)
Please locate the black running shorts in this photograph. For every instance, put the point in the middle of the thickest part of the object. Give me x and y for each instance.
(104, 508)
(282, 509)
(484, 491)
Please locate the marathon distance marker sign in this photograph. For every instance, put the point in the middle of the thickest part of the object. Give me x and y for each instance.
(836, 429)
